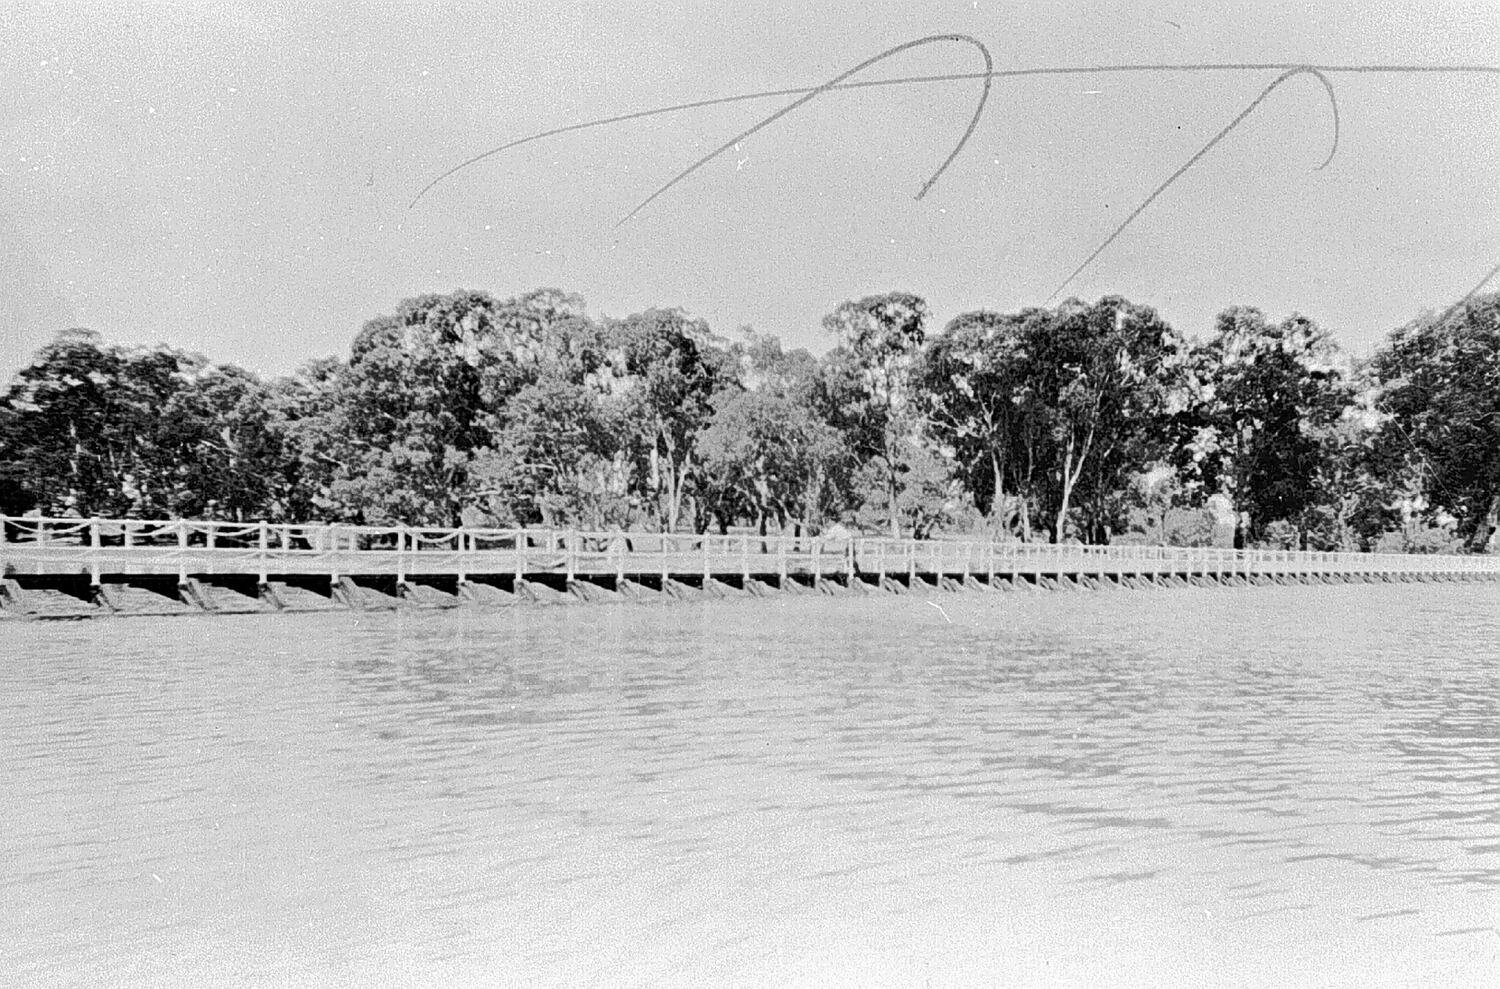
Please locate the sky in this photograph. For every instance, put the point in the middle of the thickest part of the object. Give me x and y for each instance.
(236, 179)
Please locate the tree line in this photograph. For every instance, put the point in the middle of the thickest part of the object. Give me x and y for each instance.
(1090, 421)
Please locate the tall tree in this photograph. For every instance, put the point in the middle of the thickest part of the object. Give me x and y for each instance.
(425, 389)
(870, 386)
(83, 431)
(1115, 365)
(770, 456)
(558, 460)
(973, 382)
(1266, 396)
(60, 439)
(1438, 384)
(1058, 407)
(1358, 489)
(674, 366)
(302, 422)
(218, 438)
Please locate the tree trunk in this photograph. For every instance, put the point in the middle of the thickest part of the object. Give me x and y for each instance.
(1070, 475)
(1068, 480)
(997, 496)
(654, 481)
(672, 504)
(1485, 530)
(891, 505)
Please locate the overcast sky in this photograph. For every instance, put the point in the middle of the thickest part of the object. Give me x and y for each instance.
(235, 179)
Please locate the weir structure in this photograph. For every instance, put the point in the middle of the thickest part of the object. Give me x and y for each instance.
(74, 568)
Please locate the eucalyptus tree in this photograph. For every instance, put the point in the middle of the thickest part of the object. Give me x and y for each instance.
(1115, 369)
(868, 390)
(543, 333)
(407, 411)
(219, 442)
(304, 465)
(1053, 411)
(768, 456)
(425, 389)
(672, 366)
(1438, 385)
(975, 393)
(1266, 396)
(82, 430)
(62, 445)
(559, 459)
(1358, 487)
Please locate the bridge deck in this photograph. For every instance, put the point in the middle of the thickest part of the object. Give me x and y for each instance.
(81, 559)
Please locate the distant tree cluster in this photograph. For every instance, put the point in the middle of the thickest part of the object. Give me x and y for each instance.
(1091, 421)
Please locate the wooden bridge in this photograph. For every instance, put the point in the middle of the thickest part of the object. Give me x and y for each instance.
(85, 567)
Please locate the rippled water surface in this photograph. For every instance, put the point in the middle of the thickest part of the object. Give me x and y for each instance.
(1268, 786)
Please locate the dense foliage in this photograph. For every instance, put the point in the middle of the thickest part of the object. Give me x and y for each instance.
(1090, 421)
(1438, 388)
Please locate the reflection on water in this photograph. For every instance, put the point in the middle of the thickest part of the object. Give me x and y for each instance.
(1219, 787)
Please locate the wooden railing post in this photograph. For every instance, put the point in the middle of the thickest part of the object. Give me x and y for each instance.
(328, 543)
(265, 548)
(95, 549)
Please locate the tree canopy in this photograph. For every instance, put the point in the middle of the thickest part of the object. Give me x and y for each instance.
(1438, 382)
(1089, 421)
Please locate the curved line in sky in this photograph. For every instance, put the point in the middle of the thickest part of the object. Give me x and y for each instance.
(989, 68)
(1288, 70)
(945, 77)
(1285, 77)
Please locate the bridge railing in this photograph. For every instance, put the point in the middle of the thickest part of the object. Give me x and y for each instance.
(265, 547)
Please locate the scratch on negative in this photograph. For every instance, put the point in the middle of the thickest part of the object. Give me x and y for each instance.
(842, 81)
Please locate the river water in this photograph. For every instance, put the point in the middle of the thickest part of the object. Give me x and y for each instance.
(1263, 786)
